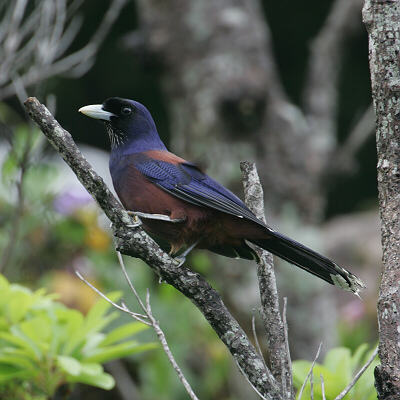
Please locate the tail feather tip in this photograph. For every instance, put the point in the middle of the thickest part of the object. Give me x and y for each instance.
(349, 282)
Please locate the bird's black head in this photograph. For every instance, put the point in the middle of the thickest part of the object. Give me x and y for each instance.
(128, 123)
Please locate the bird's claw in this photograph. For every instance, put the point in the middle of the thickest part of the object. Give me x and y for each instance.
(181, 260)
(136, 221)
(160, 217)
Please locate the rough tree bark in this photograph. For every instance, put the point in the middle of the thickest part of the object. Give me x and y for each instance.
(278, 343)
(382, 19)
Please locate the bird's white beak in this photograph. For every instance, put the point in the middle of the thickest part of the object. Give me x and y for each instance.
(96, 111)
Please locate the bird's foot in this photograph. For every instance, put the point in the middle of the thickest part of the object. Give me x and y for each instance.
(137, 222)
(160, 217)
(181, 260)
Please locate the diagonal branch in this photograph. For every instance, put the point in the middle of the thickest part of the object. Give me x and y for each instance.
(358, 375)
(133, 241)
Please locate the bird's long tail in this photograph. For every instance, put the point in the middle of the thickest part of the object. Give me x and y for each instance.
(309, 260)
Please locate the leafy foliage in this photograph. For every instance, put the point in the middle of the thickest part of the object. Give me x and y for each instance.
(44, 344)
(338, 369)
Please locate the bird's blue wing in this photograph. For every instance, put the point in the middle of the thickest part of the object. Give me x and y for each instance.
(188, 183)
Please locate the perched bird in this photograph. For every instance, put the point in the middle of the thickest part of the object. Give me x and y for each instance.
(179, 203)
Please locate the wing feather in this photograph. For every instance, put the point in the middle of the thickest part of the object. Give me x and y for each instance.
(190, 184)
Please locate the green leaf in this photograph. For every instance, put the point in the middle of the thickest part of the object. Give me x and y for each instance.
(69, 365)
(9, 372)
(4, 284)
(338, 360)
(19, 303)
(37, 328)
(93, 344)
(106, 354)
(96, 319)
(357, 358)
(122, 332)
(3, 323)
(92, 369)
(89, 373)
(20, 343)
(15, 359)
(45, 344)
(99, 309)
(71, 322)
(103, 380)
(338, 369)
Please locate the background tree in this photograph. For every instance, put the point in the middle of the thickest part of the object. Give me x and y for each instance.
(383, 23)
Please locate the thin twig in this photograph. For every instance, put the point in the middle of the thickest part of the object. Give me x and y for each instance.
(343, 158)
(312, 384)
(326, 57)
(163, 341)
(254, 388)
(253, 327)
(148, 315)
(138, 317)
(309, 372)
(159, 332)
(122, 265)
(323, 387)
(285, 391)
(35, 46)
(357, 377)
(284, 320)
(9, 249)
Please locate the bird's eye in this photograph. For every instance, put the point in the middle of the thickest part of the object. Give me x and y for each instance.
(126, 110)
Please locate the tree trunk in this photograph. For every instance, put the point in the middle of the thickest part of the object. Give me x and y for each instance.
(382, 19)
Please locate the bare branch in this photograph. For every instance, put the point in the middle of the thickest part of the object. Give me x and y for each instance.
(121, 263)
(343, 157)
(163, 341)
(35, 43)
(10, 246)
(138, 317)
(320, 97)
(323, 387)
(310, 372)
(277, 340)
(159, 332)
(253, 327)
(141, 318)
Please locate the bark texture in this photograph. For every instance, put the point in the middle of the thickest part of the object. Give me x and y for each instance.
(274, 323)
(382, 19)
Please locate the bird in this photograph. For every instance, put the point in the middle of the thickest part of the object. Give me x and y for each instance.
(180, 204)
